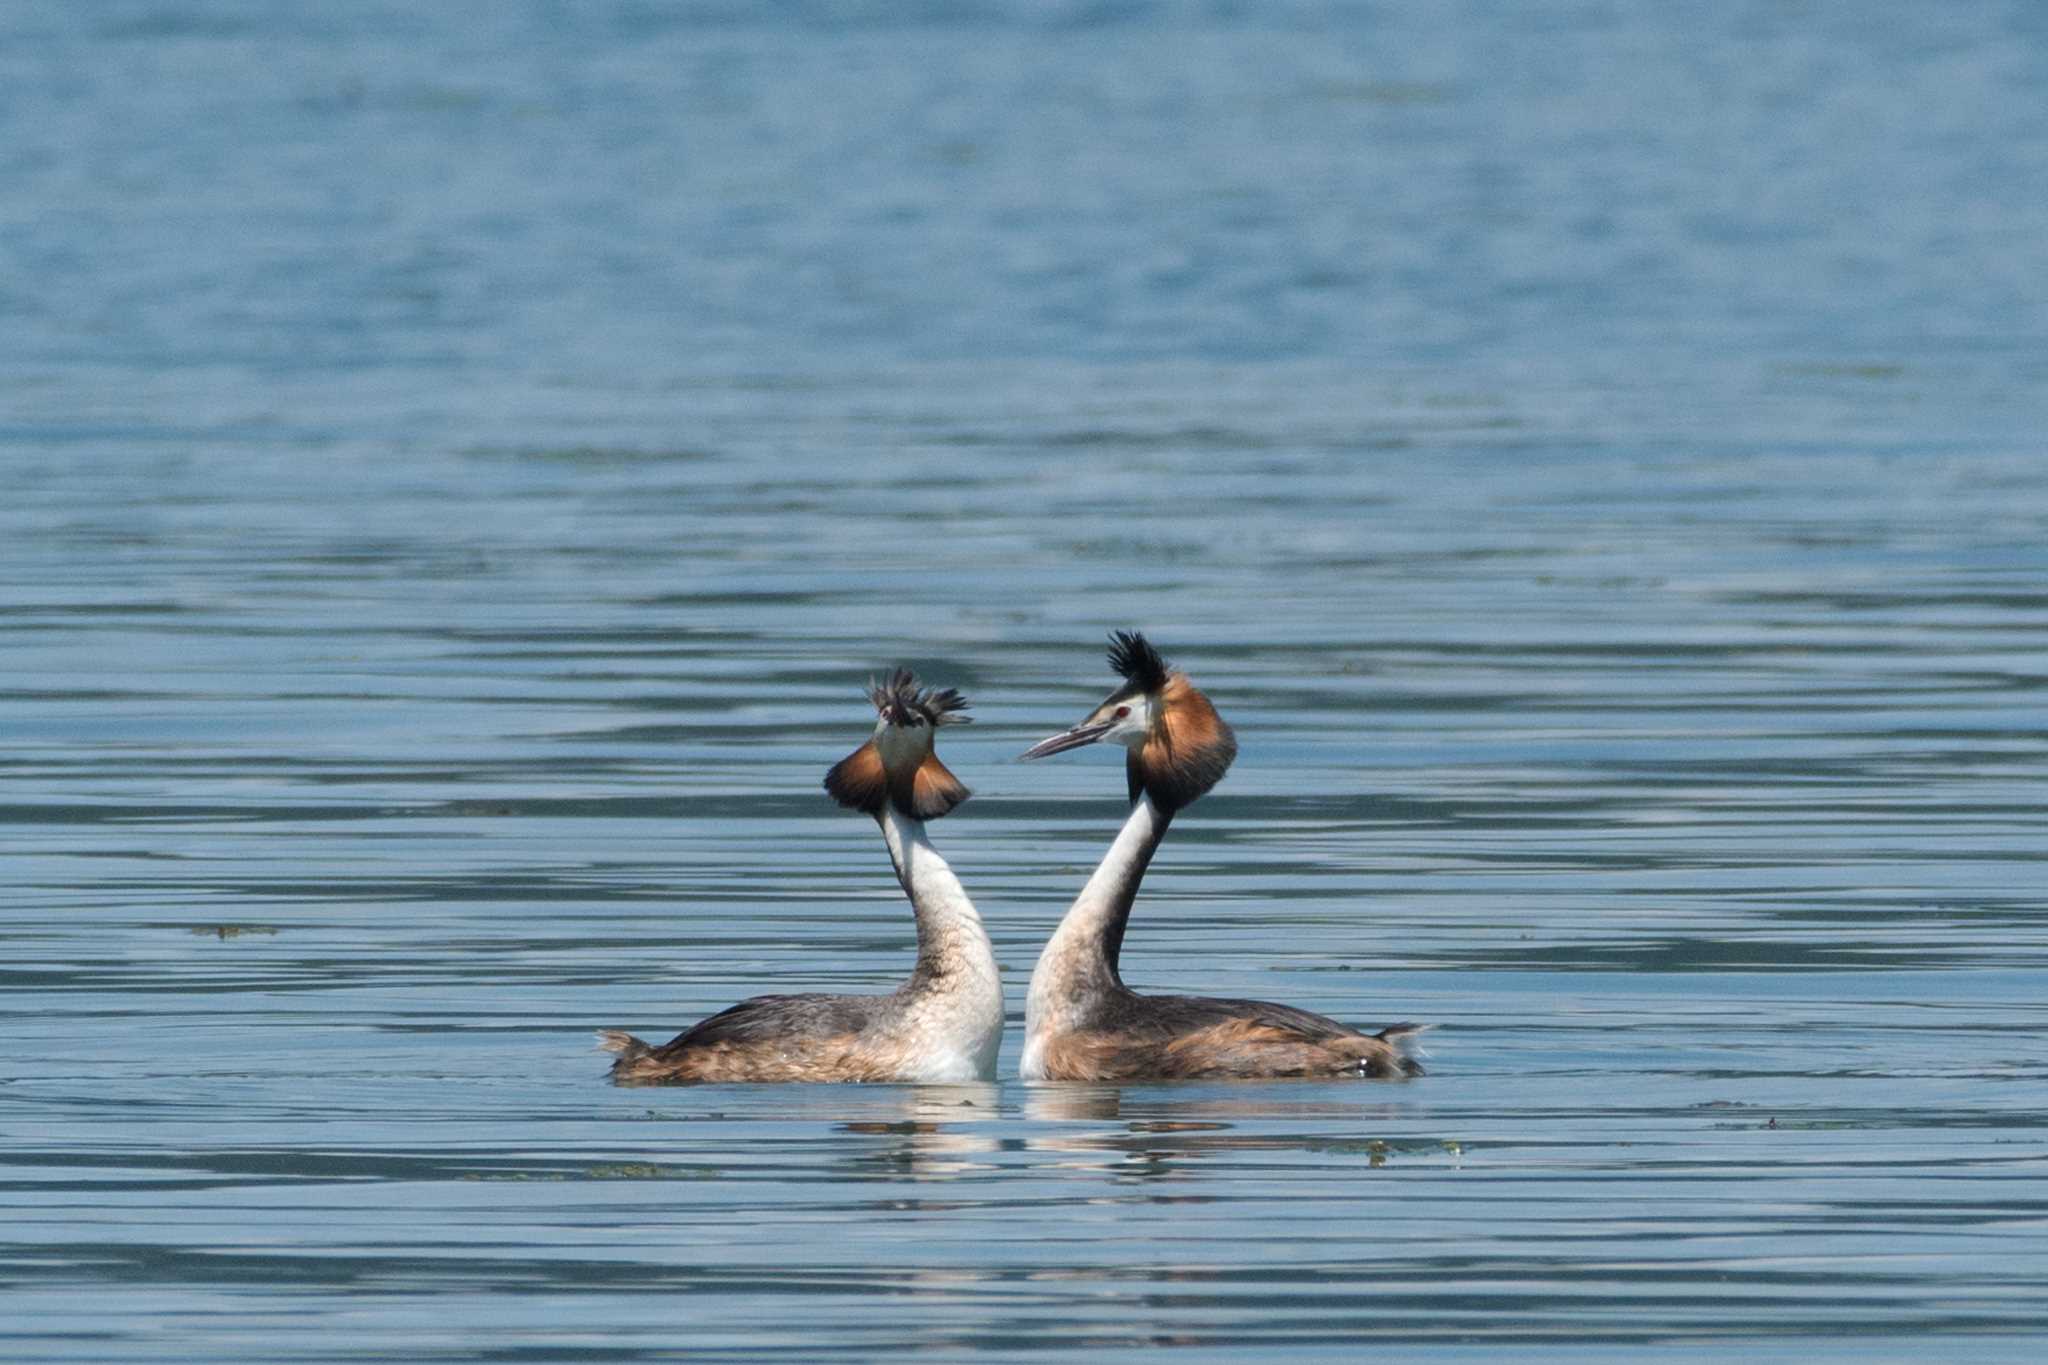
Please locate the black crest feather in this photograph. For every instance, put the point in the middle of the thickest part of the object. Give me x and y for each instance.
(1134, 659)
(932, 706)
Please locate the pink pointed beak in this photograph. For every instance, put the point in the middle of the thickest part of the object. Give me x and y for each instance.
(1067, 739)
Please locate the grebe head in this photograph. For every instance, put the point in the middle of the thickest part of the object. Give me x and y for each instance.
(1178, 746)
(900, 704)
(899, 765)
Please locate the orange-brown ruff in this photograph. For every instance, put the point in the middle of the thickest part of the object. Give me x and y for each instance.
(1081, 1022)
(945, 1023)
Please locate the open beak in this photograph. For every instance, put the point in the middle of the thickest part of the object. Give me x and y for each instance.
(1068, 739)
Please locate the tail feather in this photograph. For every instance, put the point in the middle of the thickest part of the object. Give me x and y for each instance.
(625, 1044)
(1405, 1040)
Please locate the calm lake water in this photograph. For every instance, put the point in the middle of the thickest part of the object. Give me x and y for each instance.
(462, 462)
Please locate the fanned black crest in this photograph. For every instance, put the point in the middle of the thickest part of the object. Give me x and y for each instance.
(1134, 659)
(944, 706)
(899, 697)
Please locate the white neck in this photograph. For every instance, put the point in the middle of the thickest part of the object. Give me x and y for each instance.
(956, 987)
(1079, 965)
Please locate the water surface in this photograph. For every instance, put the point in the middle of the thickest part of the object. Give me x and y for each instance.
(462, 464)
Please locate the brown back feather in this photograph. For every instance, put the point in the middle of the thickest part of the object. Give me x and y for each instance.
(1186, 1037)
(809, 1037)
(1236, 1049)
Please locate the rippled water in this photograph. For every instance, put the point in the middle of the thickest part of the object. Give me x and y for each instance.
(462, 463)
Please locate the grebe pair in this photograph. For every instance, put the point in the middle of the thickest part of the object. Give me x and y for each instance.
(1081, 1022)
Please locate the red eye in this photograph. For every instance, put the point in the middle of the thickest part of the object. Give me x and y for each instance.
(1122, 711)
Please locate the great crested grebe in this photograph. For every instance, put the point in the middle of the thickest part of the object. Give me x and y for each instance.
(1081, 1023)
(942, 1025)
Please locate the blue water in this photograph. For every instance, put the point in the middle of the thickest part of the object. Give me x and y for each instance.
(462, 461)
